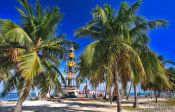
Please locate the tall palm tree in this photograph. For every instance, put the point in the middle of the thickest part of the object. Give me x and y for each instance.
(31, 51)
(114, 34)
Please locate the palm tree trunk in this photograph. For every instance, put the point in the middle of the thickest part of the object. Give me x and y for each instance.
(151, 94)
(170, 94)
(116, 78)
(119, 107)
(155, 94)
(22, 96)
(135, 97)
(47, 95)
(126, 93)
(19, 105)
(127, 97)
(86, 90)
(105, 91)
(160, 94)
(95, 91)
(20, 101)
(110, 94)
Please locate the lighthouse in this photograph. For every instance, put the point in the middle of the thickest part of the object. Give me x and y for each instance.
(71, 68)
(70, 90)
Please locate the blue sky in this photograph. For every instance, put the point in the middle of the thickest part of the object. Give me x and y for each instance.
(77, 13)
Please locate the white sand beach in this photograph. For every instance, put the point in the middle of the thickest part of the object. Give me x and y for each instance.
(64, 106)
(84, 106)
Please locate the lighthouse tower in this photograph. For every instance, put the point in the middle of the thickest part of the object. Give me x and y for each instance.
(70, 79)
(70, 90)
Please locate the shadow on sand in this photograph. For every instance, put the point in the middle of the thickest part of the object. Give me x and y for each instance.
(70, 107)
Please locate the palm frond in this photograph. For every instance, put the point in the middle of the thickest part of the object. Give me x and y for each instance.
(133, 8)
(99, 14)
(18, 36)
(30, 65)
(50, 20)
(6, 26)
(14, 82)
(143, 27)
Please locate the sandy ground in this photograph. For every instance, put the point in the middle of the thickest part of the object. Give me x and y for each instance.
(85, 106)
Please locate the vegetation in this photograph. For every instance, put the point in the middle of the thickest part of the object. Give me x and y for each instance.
(31, 51)
(121, 47)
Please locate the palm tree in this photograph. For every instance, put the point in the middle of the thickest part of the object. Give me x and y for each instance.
(157, 75)
(31, 51)
(154, 69)
(114, 34)
(128, 94)
(170, 70)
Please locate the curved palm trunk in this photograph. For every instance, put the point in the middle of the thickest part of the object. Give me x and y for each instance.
(19, 105)
(135, 97)
(22, 96)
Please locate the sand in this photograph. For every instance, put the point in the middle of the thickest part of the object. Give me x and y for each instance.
(80, 106)
(64, 106)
